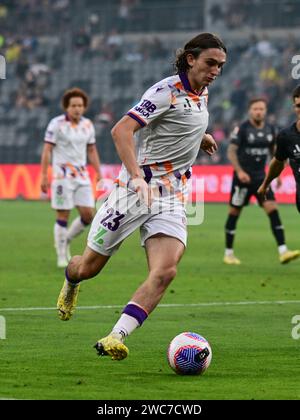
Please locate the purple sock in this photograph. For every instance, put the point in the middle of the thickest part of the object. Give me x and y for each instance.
(136, 312)
(62, 223)
(74, 282)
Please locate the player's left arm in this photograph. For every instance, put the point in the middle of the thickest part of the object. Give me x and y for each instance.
(208, 144)
(273, 152)
(94, 159)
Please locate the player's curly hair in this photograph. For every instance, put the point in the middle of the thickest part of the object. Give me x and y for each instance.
(74, 92)
(195, 46)
(296, 92)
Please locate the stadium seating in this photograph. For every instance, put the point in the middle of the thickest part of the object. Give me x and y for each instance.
(115, 68)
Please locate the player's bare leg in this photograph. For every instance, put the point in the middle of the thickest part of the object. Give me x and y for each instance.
(60, 237)
(233, 215)
(78, 225)
(285, 255)
(79, 268)
(163, 255)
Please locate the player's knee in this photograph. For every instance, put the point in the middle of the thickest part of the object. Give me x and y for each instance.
(87, 218)
(164, 276)
(78, 269)
(234, 211)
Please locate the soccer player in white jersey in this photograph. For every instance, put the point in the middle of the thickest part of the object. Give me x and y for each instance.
(70, 139)
(157, 141)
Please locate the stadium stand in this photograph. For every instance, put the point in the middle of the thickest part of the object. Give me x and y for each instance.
(116, 50)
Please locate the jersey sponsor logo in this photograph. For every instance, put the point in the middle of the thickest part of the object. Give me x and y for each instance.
(145, 108)
(255, 151)
(188, 106)
(49, 134)
(270, 137)
(239, 195)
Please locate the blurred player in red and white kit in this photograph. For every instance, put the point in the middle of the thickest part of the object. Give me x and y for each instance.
(70, 139)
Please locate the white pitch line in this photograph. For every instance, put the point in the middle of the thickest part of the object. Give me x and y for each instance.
(165, 305)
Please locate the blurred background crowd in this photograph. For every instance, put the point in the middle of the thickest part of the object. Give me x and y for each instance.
(115, 50)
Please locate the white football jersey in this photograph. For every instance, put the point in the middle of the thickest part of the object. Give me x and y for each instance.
(69, 154)
(174, 119)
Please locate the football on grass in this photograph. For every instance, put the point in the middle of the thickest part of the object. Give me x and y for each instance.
(189, 354)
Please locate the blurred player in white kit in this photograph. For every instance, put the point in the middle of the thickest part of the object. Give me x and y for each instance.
(70, 139)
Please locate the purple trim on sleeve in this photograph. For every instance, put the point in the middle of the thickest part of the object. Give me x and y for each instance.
(136, 118)
(50, 142)
(136, 312)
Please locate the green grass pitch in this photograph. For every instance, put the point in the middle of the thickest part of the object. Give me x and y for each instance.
(254, 354)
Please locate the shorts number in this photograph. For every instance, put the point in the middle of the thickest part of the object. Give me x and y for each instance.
(115, 223)
(239, 196)
(59, 190)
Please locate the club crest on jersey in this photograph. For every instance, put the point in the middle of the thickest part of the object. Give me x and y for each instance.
(187, 107)
(296, 151)
(251, 138)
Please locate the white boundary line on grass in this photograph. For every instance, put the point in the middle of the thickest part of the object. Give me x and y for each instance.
(164, 305)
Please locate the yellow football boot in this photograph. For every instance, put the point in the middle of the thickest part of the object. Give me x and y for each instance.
(112, 346)
(288, 256)
(67, 300)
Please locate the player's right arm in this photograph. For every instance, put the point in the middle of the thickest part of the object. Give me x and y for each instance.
(50, 141)
(122, 134)
(236, 141)
(153, 103)
(45, 161)
(277, 164)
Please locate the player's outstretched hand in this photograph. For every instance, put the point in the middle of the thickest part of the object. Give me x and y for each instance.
(208, 144)
(141, 187)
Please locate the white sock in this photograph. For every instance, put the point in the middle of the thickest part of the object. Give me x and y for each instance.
(228, 252)
(75, 229)
(60, 240)
(125, 326)
(282, 249)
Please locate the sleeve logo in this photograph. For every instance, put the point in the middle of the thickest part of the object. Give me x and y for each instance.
(145, 108)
